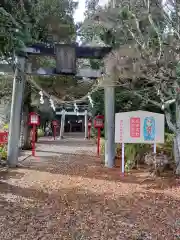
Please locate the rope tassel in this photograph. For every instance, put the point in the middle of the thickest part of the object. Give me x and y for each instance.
(41, 97)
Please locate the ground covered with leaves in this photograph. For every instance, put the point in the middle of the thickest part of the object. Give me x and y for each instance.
(72, 196)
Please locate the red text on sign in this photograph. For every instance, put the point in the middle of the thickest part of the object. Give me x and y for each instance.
(135, 124)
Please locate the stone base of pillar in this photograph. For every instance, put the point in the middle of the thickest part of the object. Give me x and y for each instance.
(61, 137)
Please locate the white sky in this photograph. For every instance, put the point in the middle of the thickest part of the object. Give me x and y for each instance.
(79, 13)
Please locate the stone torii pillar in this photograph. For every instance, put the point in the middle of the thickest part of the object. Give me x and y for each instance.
(109, 100)
(16, 107)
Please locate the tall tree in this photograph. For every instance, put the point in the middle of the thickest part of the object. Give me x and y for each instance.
(108, 23)
(150, 58)
(24, 22)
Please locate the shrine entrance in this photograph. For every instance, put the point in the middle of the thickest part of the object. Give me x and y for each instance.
(72, 121)
(65, 56)
(74, 124)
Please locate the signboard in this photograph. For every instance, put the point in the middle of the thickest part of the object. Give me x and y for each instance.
(139, 127)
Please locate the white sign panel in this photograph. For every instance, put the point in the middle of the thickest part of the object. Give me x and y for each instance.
(139, 127)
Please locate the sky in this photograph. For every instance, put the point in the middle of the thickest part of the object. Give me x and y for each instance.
(79, 13)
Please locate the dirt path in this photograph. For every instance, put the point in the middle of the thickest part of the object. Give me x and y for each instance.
(67, 194)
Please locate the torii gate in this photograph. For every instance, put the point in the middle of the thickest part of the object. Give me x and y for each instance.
(66, 55)
(63, 113)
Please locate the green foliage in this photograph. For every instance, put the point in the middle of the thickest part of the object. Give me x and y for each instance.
(40, 132)
(3, 151)
(14, 26)
(6, 126)
(102, 147)
(132, 151)
(113, 28)
(28, 21)
(130, 154)
(167, 147)
(124, 101)
(125, 13)
(169, 138)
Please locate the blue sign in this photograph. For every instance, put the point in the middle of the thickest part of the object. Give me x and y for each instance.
(149, 129)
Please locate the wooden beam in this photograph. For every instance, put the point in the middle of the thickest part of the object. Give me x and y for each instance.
(81, 51)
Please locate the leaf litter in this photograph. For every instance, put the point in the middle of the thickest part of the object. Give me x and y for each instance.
(75, 197)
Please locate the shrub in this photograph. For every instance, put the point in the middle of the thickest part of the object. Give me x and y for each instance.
(167, 147)
(135, 152)
(3, 152)
(40, 132)
(6, 126)
(102, 147)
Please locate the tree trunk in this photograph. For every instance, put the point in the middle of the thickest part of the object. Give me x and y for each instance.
(177, 152)
(177, 137)
(174, 128)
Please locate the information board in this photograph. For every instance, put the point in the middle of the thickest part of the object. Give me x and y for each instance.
(139, 127)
